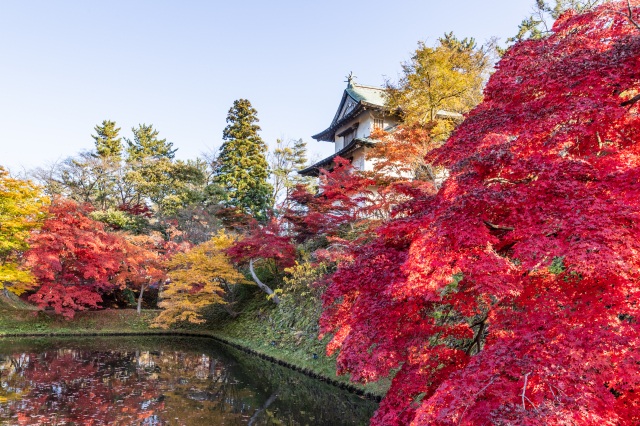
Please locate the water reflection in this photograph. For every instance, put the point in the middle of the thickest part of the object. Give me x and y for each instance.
(170, 381)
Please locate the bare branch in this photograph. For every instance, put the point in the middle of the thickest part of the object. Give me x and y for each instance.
(633, 100)
(262, 285)
(477, 339)
(631, 15)
(552, 392)
(524, 390)
(510, 182)
(500, 227)
(499, 180)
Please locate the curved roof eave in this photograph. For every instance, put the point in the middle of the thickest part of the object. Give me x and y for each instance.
(328, 134)
(314, 169)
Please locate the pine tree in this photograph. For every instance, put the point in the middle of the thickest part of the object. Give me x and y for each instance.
(299, 161)
(243, 169)
(108, 144)
(145, 144)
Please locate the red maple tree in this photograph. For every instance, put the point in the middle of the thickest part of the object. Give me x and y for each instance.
(343, 199)
(73, 259)
(143, 262)
(512, 295)
(264, 242)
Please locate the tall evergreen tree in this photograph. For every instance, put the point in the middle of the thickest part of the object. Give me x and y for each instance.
(243, 169)
(145, 144)
(108, 144)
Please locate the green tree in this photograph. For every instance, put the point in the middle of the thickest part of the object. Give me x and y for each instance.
(85, 178)
(145, 144)
(168, 185)
(285, 161)
(158, 179)
(440, 83)
(243, 169)
(108, 144)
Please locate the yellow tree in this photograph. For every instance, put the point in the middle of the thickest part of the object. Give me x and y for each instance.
(440, 83)
(198, 278)
(21, 210)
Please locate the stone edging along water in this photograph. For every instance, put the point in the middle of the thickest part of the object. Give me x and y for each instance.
(305, 371)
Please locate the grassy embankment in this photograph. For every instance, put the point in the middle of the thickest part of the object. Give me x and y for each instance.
(18, 317)
(287, 333)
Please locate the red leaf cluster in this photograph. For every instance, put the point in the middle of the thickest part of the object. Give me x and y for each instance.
(264, 242)
(512, 296)
(399, 155)
(141, 210)
(144, 257)
(344, 198)
(73, 258)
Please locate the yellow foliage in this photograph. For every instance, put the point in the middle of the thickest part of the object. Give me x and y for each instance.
(198, 278)
(22, 209)
(14, 279)
(302, 279)
(448, 77)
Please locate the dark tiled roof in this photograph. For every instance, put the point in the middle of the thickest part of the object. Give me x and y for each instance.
(366, 97)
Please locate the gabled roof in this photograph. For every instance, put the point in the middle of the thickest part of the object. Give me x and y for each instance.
(369, 94)
(355, 99)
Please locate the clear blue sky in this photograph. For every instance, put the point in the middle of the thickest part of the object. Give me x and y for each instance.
(67, 65)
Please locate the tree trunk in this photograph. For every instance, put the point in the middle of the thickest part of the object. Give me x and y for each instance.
(140, 299)
(262, 285)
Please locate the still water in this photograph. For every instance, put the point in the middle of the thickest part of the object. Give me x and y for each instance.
(160, 381)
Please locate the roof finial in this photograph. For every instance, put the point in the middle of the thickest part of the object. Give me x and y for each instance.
(350, 78)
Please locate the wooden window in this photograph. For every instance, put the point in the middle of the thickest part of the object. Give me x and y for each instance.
(348, 137)
(349, 134)
(378, 123)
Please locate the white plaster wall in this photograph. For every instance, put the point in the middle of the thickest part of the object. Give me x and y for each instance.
(366, 125)
(345, 127)
(368, 164)
(358, 159)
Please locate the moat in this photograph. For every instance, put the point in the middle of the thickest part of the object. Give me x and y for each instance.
(160, 381)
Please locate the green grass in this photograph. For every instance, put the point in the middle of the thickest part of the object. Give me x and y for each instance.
(288, 332)
(9, 300)
(18, 321)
